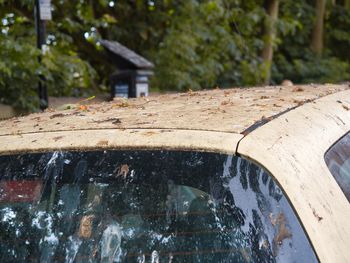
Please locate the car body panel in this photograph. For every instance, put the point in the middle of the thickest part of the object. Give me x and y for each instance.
(302, 123)
(135, 139)
(292, 148)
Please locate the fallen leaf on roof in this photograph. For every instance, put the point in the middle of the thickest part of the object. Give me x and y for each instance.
(192, 93)
(263, 118)
(57, 138)
(225, 102)
(297, 89)
(57, 115)
(264, 97)
(345, 107)
(83, 107)
(299, 102)
(124, 104)
(112, 120)
(149, 133)
(121, 103)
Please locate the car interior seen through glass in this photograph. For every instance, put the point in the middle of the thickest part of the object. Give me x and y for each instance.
(338, 161)
(144, 206)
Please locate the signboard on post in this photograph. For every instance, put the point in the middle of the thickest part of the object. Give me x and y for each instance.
(42, 13)
(45, 9)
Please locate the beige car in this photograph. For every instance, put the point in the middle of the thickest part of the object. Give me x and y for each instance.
(234, 175)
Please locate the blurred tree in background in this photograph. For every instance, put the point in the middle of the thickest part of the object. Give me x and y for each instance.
(194, 44)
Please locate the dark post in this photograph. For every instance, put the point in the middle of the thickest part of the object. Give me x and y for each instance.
(41, 40)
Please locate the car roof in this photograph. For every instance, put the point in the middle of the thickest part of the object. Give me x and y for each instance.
(212, 120)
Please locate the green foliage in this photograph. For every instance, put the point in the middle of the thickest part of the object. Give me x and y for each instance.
(194, 44)
(337, 32)
(195, 47)
(294, 59)
(211, 43)
(20, 71)
(18, 68)
(312, 69)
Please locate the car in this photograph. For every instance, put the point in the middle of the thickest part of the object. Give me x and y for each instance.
(226, 175)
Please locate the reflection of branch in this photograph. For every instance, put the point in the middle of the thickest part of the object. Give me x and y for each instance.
(179, 213)
(243, 251)
(84, 233)
(191, 233)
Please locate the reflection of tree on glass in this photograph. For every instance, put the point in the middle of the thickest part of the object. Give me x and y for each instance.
(124, 206)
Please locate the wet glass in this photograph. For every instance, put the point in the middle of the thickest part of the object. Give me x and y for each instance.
(338, 161)
(144, 206)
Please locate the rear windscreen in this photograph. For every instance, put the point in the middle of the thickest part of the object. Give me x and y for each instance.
(338, 161)
(144, 206)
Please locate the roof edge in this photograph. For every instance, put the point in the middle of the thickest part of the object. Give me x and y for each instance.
(117, 139)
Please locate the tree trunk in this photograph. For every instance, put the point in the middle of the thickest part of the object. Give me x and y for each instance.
(347, 4)
(269, 37)
(317, 33)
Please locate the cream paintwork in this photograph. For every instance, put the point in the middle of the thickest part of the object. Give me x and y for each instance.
(130, 139)
(292, 148)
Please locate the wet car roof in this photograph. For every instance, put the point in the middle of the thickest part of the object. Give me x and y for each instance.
(227, 110)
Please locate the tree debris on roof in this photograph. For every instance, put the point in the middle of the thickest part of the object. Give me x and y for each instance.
(226, 110)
